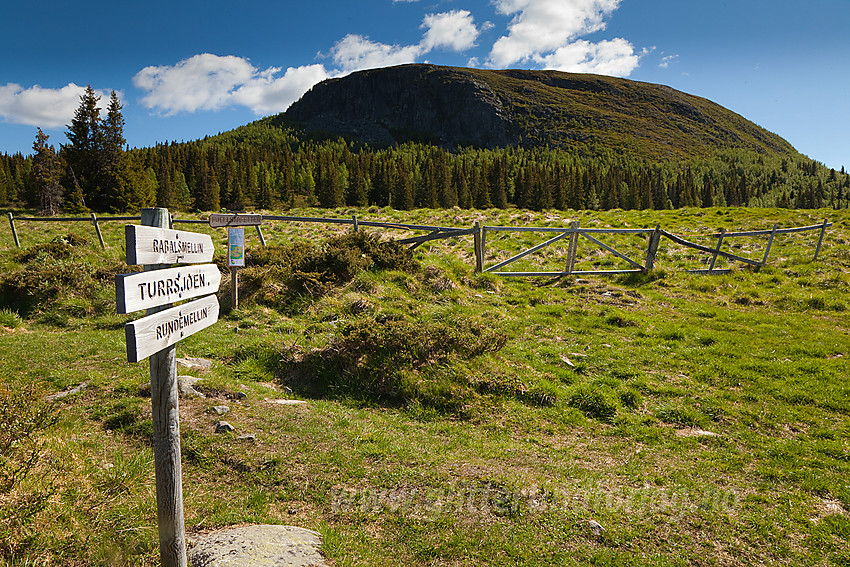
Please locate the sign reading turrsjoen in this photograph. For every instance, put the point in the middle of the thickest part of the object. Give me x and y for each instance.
(159, 288)
(144, 290)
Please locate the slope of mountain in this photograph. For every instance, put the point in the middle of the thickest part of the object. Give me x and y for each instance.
(588, 114)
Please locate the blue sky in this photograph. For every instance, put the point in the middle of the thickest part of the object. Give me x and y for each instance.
(186, 69)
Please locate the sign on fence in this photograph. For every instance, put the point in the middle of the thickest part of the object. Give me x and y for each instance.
(218, 220)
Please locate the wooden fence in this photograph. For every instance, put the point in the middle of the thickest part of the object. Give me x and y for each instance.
(572, 234)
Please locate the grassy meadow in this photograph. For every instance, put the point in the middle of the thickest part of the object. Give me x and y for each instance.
(452, 418)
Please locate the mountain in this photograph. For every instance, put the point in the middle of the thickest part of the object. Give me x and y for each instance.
(588, 114)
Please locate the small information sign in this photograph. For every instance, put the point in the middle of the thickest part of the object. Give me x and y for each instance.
(236, 247)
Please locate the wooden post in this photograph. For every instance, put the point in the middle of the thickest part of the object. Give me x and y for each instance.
(165, 414)
(260, 234)
(483, 245)
(354, 217)
(571, 251)
(14, 232)
(476, 243)
(97, 229)
(817, 249)
(234, 287)
(769, 244)
(652, 248)
(719, 242)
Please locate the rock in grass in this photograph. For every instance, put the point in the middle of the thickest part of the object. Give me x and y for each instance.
(221, 410)
(595, 527)
(186, 386)
(249, 437)
(257, 546)
(195, 363)
(66, 393)
(223, 427)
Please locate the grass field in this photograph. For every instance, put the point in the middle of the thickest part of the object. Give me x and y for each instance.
(452, 418)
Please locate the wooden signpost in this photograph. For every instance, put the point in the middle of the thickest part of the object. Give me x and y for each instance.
(236, 244)
(156, 246)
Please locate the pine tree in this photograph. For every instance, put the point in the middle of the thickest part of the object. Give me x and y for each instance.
(45, 173)
(81, 154)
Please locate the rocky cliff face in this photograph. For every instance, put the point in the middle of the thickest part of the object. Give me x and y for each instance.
(414, 102)
(453, 107)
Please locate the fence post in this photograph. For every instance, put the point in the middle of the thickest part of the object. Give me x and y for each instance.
(817, 249)
(769, 244)
(260, 234)
(14, 232)
(356, 226)
(719, 242)
(652, 248)
(476, 243)
(165, 416)
(97, 229)
(571, 250)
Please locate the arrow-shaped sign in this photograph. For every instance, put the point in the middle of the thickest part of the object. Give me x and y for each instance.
(158, 331)
(143, 290)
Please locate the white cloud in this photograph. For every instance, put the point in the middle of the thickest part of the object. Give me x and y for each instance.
(212, 82)
(453, 30)
(355, 52)
(266, 94)
(37, 106)
(666, 60)
(202, 82)
(546, 33)
(610, 57)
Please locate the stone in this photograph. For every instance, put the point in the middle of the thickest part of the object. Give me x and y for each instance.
(195, 363)
(221, 410)
(250, 437)
(595, 527)
(286, 402)
(66, 393)
(257, 546)
(695, 432)
(223, 427)
(186, 386)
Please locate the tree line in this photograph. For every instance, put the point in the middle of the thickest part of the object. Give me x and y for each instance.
(265, 166)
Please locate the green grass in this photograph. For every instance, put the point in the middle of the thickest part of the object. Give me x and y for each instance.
(455, 418)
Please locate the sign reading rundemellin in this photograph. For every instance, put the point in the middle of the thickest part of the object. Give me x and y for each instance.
(144, 290)
(152, 245)
(161, 330)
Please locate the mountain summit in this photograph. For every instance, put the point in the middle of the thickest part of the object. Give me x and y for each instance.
(588, 114)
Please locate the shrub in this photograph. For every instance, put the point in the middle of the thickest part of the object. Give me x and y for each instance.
(396, 360)
(25, 419)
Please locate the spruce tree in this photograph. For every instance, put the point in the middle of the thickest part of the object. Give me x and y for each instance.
(81, 154)
(45, 173)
